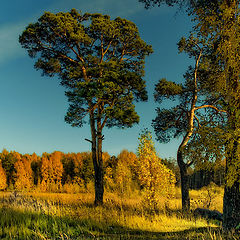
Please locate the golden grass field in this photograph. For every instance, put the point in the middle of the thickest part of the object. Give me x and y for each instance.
(33, 215)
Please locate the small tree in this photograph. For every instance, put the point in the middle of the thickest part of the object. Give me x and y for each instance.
(100, 62)
(154, 176)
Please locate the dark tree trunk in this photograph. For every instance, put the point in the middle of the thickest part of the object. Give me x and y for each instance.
(231, 207)
(99, 185)
(184, 181)
(231, 199)
(97, 161)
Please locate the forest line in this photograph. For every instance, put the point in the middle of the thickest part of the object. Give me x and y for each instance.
(73, 172)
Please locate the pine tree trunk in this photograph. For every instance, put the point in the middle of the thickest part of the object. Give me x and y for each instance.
(184, 182)
(99, 185)
(97, 162)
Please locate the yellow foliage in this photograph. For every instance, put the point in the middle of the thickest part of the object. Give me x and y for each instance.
(123, 177)
(153, 175)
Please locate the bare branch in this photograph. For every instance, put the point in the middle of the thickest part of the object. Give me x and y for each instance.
(190, 163)
(88, 140)
(210, 106)
(199, 124)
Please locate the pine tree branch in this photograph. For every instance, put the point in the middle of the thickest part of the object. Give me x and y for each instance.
(210, 106)
(88, 140)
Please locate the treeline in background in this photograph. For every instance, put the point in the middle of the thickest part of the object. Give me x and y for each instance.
(74, 173)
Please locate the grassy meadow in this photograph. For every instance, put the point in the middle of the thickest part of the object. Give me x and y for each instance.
(33, 215)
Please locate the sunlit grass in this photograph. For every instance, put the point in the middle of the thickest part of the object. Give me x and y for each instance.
(211, 194)
(73, 216)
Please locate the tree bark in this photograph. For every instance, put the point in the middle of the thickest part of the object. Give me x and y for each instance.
(184, 181)
(231, 199)
(231, 207)
(99, 185)
(97, 161)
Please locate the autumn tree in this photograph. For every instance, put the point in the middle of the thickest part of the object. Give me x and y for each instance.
(110, 166)
(3, 178)
(100, 62)
(171, 163)
(154, 176)
(83, 169)
(51, 171)
(57, 167)
(125, 171)
(120, 172)
(45, 172)
(24, 173)
(8, 161)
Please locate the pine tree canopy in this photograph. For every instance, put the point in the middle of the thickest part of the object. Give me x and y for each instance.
(100, 62)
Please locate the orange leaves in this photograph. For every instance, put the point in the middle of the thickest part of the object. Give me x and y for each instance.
(24, 173)
(3, 178)
(51, 171)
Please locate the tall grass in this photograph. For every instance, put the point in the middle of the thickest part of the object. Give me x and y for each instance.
(73, 216)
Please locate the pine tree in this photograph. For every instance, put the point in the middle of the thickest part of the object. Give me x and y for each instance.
(101, 63)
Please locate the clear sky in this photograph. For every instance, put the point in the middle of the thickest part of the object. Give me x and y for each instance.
(33, 107)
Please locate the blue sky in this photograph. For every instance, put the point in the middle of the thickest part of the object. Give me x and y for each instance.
(33, 107)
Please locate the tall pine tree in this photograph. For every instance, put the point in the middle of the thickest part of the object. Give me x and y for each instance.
(100, 61)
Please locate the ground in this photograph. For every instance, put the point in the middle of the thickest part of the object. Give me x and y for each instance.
(32, 215)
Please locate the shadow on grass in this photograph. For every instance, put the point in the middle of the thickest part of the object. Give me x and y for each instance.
(20, 224)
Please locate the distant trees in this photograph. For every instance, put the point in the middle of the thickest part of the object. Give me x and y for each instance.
(126, 171)
(100, 62)
(120, 173)
(73, 172)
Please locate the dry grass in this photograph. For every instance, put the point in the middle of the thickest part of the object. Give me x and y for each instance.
(73, 216)
(208, 197)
